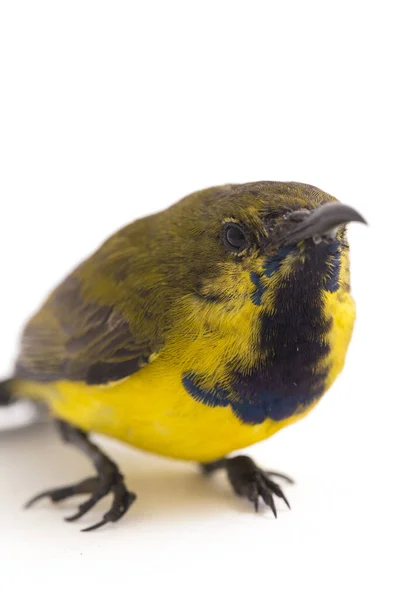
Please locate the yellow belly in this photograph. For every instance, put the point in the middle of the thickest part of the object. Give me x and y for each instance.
(151, 409)
(153, 412)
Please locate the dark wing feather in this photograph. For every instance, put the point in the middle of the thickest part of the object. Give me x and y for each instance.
(80, 340)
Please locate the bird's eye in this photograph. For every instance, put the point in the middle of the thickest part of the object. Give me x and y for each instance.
(234, 237)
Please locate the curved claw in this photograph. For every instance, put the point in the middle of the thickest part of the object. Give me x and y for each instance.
(252, 494)
(82, 510)
(276, 489)
(96, 525)
(121, 503)
(266, 494)
(38, 497)
(281, 476)
(87, 486)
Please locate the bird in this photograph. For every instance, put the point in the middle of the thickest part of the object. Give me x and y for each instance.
(193, 333)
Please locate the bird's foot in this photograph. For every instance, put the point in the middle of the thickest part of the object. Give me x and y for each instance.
(249, 481)
(97, 487)
(109, 480)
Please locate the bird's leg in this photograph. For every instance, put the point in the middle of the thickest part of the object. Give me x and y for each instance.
(250, 481)
(108, 479)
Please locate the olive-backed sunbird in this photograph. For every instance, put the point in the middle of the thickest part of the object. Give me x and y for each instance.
(195, 332)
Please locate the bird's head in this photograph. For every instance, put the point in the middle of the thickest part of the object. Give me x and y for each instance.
(245, 240)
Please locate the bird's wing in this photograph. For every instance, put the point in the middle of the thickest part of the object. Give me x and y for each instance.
(77, 337)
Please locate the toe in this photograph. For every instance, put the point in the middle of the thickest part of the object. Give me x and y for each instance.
(267, 496)
(119, 508)
(275, 489)
(280, 476)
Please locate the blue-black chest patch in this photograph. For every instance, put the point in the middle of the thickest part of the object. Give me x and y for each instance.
(292, 343)
(255, 404)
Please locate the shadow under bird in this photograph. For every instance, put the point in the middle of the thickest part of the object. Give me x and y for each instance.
(195, 332)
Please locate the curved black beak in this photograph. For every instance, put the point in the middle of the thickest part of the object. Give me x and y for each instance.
(320, 222)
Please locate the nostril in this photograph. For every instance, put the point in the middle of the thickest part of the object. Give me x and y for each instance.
(298, 215)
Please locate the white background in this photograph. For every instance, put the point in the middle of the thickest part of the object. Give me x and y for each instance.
(109, 110)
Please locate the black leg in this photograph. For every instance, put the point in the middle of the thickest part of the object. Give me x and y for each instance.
(108, 480)
(250, 481)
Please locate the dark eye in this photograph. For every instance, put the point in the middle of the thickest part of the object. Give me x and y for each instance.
(234, 237)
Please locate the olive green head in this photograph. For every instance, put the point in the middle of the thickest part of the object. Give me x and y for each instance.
(223, 231)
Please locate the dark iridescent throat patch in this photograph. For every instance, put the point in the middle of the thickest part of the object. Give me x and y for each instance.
(292, 344)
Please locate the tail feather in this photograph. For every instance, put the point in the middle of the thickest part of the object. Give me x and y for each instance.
(5, 393)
